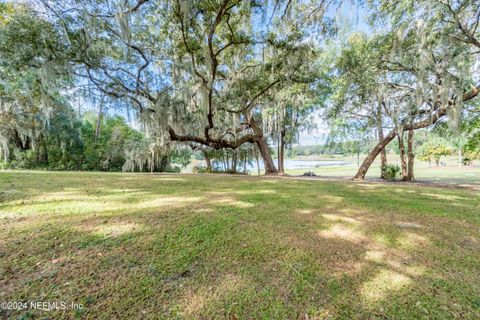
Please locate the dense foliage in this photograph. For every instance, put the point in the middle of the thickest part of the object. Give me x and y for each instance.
(71, 144)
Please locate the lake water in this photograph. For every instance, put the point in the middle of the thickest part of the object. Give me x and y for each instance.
(301, 164)
(291, 164)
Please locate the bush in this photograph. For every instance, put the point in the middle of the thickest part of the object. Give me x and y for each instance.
(22, 159)
(173, 169)
(390, 171)
(5, 165)
(466, 161)
(199, 169)
(202, 169)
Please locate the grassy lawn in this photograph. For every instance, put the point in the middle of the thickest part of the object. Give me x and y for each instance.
(133, 246)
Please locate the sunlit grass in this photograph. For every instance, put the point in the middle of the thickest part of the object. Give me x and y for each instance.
(383, 284)
(207, 246)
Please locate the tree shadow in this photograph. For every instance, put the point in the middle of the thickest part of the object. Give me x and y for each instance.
(242, 248)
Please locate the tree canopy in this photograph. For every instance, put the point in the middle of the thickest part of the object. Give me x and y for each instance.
(229, 74)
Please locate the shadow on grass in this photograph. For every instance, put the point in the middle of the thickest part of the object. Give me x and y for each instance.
(214, 247)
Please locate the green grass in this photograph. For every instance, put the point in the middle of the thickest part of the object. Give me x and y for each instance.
(141, 246)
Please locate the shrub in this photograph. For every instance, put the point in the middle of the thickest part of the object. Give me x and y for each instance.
(199, 169)
(390, 171)
(5, 165)
(466, 161)
(202, 169)
(173, 169)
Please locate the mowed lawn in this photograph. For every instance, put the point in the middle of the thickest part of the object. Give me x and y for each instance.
(142, 246)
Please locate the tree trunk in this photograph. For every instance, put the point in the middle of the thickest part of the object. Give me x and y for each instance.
(383, 153)
(383, 163)
(245, 163)
(42, 150)
(278, 153)
(263, 148)
(227, 161)
(281, 152)
(44, 157)
(266, 156)
(460, 157)
(234, 161)
(99, 120)
(207, 161)
(362, 171)
(403, 161)
(223, 161)
(256, 158)
(411, 156)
